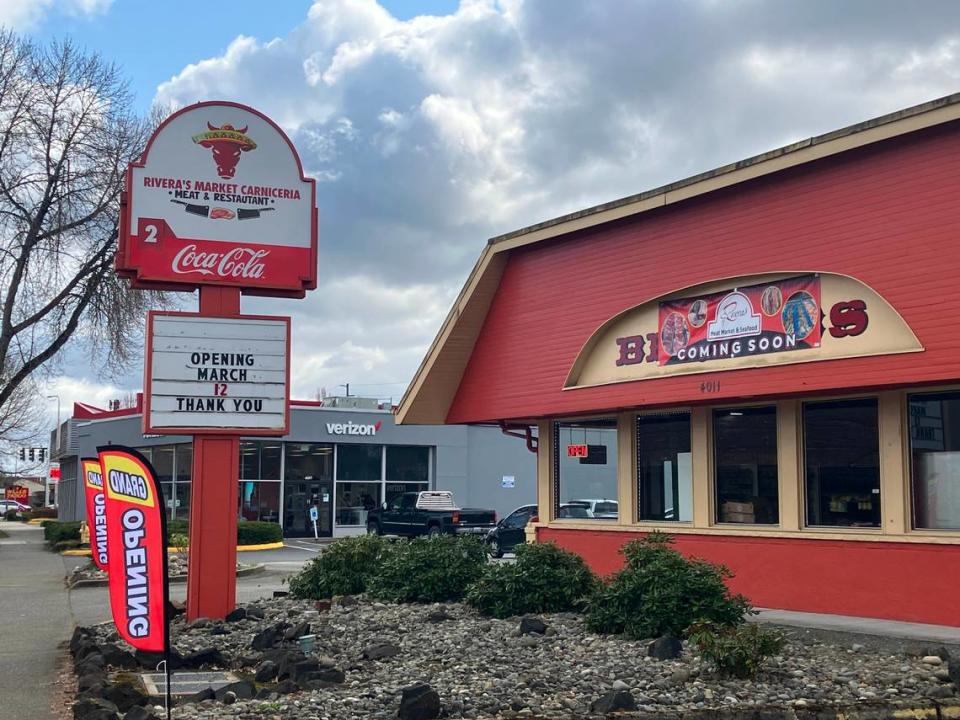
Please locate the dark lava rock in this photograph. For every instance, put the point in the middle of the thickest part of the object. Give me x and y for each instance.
(197, 697)
(665, 647)
(138, 712)
(438, 616)
(242, 690)
(80, 635)
(380, 651)
(280, 593)
(419, 702)
(532, 626)
(94, 709)
(286, 661)
(177, 608)
(613, 701)
(345, 600)
(90, 664)
(219, 630)
(85, 682)
(266, 638)
(117, 657)
(124, 696)
(301, 669)
(266, 671)
(149, 660)
(329, 676)
(236, 615)
(287, 686)
(255, 613)
(298, 630)
(86, 648)
(205, 656)
(953, 668)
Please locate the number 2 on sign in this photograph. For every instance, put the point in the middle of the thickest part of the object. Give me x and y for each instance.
(220, 389)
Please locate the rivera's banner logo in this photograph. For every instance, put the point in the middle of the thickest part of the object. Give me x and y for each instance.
(96, 511)
(136, 548)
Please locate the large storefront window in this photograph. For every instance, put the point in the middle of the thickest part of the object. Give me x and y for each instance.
(408, 464)
(359, 482)
(935, 460)
(842, 460)
(173, 465)
(260, 501)
(184, 470)
(259, 460)
(585, 475)
(308, 482)
(664, 470)
(745, 443)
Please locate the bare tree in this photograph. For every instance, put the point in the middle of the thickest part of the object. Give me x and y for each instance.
(67, 133)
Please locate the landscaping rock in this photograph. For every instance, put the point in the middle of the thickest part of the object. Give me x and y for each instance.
(236, 615)
(116, 657)
(199, 697)
(932, 660)
(345, 600)
(438, 616)
(124, 696)
(532, 625)
(138, 712)
(91, 664)
(266, 671)
(94, 709)
(210, 657)
(298, 630)
(666, 647)
(617, 700)
(241, 689)
(331, 676)
(287, 686)
(267, 638)
(90, 680)
(254, 612)
(419, 702)
(301, 669)
(80, 636)
(380, 651)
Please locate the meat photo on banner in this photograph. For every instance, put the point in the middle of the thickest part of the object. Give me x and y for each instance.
(775, 317)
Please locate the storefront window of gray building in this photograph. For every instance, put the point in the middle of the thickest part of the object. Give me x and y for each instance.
(407, 470)
(259, 495)
(359, 482)
(308, 482)
(173, 465)
(585, 469)
(841, 441)
(935, 460)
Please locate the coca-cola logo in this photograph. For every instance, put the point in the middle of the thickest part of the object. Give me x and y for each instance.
(238, 262)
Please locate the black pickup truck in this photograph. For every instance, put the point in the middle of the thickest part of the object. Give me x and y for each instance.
(428, 513)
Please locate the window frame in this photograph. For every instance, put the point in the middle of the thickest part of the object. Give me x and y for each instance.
(555, 467)
(635, 478)
(909, 509)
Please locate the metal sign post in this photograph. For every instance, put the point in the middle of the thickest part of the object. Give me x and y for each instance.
(313, 518)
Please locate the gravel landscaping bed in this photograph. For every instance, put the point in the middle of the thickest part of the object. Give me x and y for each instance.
(90, 574)
(366, 653)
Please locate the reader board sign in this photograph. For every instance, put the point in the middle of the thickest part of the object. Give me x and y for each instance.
(96, 510)
(219, 198)
(136, 548)
(18, 493)
(217, 375)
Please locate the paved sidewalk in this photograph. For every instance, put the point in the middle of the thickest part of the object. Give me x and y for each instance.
(867, 626)
(36, 619)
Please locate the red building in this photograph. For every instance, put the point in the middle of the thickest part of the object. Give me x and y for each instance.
(761, 360)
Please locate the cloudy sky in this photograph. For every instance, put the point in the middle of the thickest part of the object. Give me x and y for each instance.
(434, 125)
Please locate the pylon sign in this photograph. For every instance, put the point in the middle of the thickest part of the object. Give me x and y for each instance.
(219, 198)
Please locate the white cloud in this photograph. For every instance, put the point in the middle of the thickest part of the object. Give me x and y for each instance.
(432, 134)
(24, 14)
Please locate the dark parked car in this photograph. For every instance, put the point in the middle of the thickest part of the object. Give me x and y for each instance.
(428, 513)
(509, 532)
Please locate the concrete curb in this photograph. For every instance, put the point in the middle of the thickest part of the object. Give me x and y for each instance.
(244, 572)
(85, 552)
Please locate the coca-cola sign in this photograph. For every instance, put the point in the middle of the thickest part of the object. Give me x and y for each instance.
(193, 214)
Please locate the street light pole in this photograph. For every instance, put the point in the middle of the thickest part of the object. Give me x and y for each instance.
(46, 480)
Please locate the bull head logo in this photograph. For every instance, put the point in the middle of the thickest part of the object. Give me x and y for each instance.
(226, 142)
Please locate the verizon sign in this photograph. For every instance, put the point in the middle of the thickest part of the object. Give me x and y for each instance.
(217, 374)
(219, 198)
(352, 428)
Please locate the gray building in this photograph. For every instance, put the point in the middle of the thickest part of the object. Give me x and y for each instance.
(343, 460)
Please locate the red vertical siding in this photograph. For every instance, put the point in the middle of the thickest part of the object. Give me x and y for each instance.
(894, 581)
(886, 215)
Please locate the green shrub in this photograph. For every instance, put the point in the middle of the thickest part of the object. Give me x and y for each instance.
(344, 568)
(55, 531)
(735, 651)
(543, 579)
(180, 542)
(661, 592)
(178, 527)
(11, 515)
(436, 569)
(258, 533)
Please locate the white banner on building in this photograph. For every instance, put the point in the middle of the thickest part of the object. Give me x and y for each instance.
(209, 374)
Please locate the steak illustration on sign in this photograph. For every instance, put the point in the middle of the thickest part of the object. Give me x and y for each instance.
(227, 143)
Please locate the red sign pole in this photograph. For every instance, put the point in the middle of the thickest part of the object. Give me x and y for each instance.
(212, 563)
